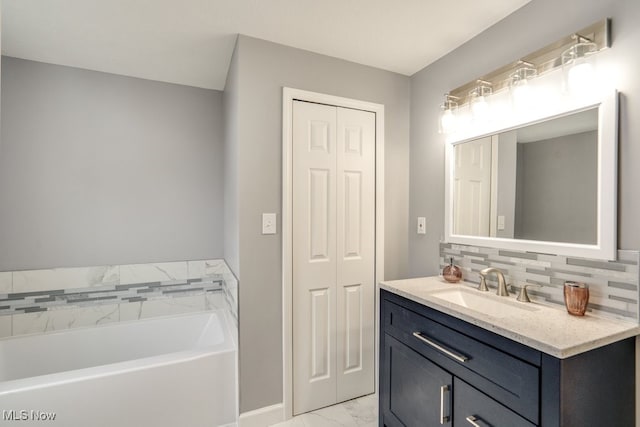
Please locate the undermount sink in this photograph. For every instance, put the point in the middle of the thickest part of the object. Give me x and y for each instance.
(488, 304)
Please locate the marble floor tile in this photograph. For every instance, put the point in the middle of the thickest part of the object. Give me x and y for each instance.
(361, 412)
(364, 410)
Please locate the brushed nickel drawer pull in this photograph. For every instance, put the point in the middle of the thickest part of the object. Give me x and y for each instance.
(440, 347)
(472, 420)
(443, 418)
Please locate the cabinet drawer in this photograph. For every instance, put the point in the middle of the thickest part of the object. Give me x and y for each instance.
(504, 377)
(473, 408)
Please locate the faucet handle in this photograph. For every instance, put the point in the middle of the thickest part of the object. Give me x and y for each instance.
(523, 296)
(483, 284)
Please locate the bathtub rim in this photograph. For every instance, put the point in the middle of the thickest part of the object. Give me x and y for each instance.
(228, 345)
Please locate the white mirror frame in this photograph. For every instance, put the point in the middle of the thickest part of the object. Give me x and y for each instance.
(606, 246)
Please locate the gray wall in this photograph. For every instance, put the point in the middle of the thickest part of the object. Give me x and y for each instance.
(263, 68)
(535, 25)
(557, 193)
(103, 169)
(0, 77)
(230, 167)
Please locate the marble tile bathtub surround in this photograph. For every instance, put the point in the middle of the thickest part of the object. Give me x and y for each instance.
(55, 320)
(62, 318)
(64, 278)
(157, 272)
(84, 277)
(613, 285)
(45, 311)
(6, 323)
(56, 299)
(6, 282)
(218, 267)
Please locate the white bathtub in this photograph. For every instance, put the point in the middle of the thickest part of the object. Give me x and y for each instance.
(175, 371)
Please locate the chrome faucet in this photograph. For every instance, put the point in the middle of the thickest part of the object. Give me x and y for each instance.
(502, 284)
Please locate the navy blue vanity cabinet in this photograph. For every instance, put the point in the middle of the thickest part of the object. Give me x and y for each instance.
(418, 388)
(472, 406)
(438, 370)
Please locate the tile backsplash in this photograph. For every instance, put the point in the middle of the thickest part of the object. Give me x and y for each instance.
(613, 285)
(37, 301)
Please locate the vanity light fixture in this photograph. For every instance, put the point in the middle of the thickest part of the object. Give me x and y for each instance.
(448, 114)
(479, 102)
(571, 54)
(577, 67)
(519, 83)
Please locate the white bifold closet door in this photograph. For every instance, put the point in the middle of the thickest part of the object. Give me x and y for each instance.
(333, 254)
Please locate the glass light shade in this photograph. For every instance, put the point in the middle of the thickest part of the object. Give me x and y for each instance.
(519, 87)
(447, 119)
(580, 77)
(480, 108)
(521, 93)
(578, 70)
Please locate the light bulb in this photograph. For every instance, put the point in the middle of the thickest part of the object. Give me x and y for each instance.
(447, 121)
(581, 77)
(480, 108)
(479, 104)
(521, 94)
(578, 69)
(447, 118)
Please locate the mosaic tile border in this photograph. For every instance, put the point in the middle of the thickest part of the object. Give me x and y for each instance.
(613, 285)
(37, 301)
(31, 302)
(63, 317)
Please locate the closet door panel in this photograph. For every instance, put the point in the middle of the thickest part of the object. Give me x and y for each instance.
(314, 256)
(355, 253)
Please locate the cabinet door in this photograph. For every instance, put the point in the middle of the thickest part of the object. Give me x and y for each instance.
(472, 408)
(414, 391)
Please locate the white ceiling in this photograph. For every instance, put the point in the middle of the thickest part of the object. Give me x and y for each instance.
(190, 42)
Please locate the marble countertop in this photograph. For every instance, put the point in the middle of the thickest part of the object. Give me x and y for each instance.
(545, 328)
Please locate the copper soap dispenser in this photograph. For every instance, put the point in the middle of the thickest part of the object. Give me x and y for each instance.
(452, 273)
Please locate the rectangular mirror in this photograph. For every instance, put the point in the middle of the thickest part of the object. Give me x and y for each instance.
(547, 186)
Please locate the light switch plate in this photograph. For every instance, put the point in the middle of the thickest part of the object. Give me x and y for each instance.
(268, 223)
(500, 222)
(422, 225)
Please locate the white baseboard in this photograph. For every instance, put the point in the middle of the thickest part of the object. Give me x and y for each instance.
(263, 417)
